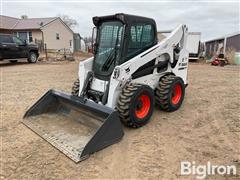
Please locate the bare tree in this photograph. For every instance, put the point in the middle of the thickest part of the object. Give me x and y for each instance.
(68, 20)
(87, 39)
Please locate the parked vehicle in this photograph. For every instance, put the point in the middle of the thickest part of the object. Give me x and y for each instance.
(220, 61)
(12, 48)
(194, 45)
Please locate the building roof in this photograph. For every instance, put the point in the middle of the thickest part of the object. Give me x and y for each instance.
(7, 22)
(223, 37)
(33, 23)
(12, 23)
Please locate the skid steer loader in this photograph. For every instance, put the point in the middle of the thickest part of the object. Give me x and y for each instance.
(129, 72)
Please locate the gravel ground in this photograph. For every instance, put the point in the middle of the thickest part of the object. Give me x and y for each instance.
(206, 128)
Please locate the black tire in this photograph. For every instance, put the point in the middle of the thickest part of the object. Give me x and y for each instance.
(13, 61)
(75, 88)
(135, 105)
(32, 57)
(170, 93)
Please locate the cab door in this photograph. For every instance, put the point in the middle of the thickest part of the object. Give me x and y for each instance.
(21, 47)
(9, 48)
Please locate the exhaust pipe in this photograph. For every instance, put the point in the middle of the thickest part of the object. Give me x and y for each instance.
(75, 126)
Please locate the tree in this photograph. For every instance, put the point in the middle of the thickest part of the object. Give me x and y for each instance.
(87, 39)
(68, 20)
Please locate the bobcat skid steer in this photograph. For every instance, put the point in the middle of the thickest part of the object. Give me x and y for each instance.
(129, 73)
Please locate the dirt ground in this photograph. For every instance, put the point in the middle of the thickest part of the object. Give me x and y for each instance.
(206, 128)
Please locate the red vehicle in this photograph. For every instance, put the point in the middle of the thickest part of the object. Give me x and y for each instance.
(219, 61)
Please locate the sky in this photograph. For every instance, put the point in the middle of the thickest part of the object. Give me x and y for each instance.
(213, 19)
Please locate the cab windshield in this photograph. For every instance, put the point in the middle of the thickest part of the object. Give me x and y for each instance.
(107, 49)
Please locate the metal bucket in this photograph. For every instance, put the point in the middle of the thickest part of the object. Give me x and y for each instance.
(75, 126)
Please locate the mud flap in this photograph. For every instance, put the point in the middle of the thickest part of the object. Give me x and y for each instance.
(75, 126)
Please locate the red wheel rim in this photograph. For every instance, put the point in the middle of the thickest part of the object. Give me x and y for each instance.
(142, 110)
(177, 94)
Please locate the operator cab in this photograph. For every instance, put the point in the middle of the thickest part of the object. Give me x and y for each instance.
(119, 38)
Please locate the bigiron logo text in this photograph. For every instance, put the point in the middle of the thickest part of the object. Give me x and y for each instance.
(201, 171)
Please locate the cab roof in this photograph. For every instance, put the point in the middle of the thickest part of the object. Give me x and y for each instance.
(124, 18)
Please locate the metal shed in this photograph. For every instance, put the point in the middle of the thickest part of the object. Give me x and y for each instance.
(223, 44)
(77, 42)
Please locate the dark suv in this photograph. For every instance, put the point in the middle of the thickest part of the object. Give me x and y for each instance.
(13, 48)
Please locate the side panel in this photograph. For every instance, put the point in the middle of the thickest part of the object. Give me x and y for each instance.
(114, 91)
(99, 85)
(84, 68)
(181, 67)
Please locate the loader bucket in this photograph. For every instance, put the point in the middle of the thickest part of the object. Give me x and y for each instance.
(75, 126)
